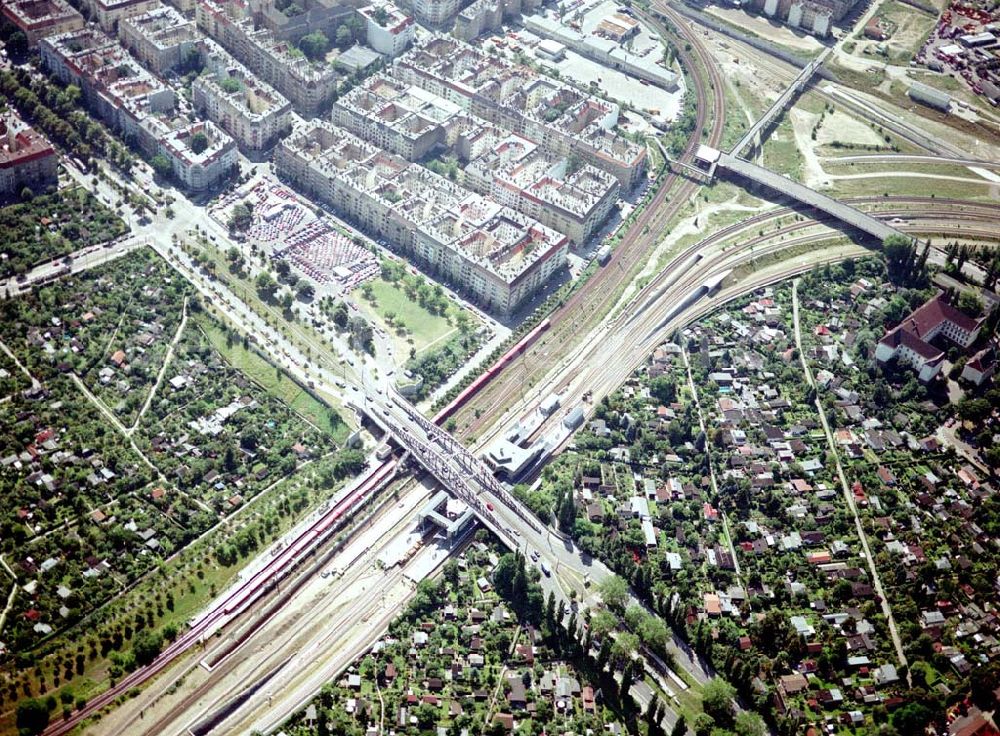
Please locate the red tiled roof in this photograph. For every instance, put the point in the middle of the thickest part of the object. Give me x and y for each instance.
(936, 311)
(900, 335)
(913, 330)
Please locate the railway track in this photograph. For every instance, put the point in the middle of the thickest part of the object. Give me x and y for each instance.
(237, 601)
(930, 209)
(580, 312)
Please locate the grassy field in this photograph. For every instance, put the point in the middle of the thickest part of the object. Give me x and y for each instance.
(781, 152)
(424, 327)
(888, 168)
(911, 187)
(912, 28)
(275, 382)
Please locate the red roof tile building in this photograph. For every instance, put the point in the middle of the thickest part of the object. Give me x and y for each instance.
(26, 158)
(41, 18)
(910, 341)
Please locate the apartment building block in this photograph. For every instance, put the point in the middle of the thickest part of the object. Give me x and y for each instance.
(434, 13)
(562, 119)
(499, 256)
(114, 85)
(108, 13)
(400, 118)
(486, 15)
(140, 107)
(199, 170)
(309, 86)
(27, 159)
(388, 30)
(567, 195)
(163, 40)
(41, 18)
(249, 110)
(290, 21)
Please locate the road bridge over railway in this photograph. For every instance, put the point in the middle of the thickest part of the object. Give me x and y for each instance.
(755, 135)
(846, 214)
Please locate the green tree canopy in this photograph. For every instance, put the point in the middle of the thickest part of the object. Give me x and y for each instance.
(613, 591)
(315, 45)
(161, 165)
(199, 142)
(716, 699)
(32, 716)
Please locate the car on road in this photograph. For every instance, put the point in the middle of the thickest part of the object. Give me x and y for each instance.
(546, 569)
(534, 555)
(489, 506)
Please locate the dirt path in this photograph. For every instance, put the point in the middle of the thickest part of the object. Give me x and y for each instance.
(711, 466)
(34, 381)
(163, 368)
(10, 604)
(116, 423)
(848, 496)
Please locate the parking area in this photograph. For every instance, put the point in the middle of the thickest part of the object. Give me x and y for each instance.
(283, 226)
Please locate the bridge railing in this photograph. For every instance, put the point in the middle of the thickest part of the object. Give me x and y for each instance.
(471, 464)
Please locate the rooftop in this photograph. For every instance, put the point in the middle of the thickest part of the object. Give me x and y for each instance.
(925, 321)
(495, 237)
(164, 27)
(387, 16)
(38, 13)
(227, 78)
(19, 143)
(468, 71)
(179, 142)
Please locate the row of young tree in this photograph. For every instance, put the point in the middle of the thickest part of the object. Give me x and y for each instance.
(58, 113)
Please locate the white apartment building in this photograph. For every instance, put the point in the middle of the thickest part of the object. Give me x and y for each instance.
(108, 13)
(398, 117)
(516, 172)
(199, 171)
(249, 110)
(910, 341)
(562, 119)
(309, 86)
(114, 85)
(41, 18)
(137, 104)
(26, 157)
(434, 13)
(161, 39)
(388, 30)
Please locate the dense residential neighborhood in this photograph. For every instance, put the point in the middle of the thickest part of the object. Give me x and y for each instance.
(439, 368)
(745, 536)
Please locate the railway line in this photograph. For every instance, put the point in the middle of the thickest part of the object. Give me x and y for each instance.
(204, 705)
(630, 346)
(931, 210)
(238, 600)
(571, 321)
(595, 298)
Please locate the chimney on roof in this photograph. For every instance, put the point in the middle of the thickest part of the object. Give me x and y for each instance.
(11, 133)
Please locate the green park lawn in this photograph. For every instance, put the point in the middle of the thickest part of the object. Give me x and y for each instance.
(390, 304)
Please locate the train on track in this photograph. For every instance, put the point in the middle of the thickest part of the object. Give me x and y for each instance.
(490, 373)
